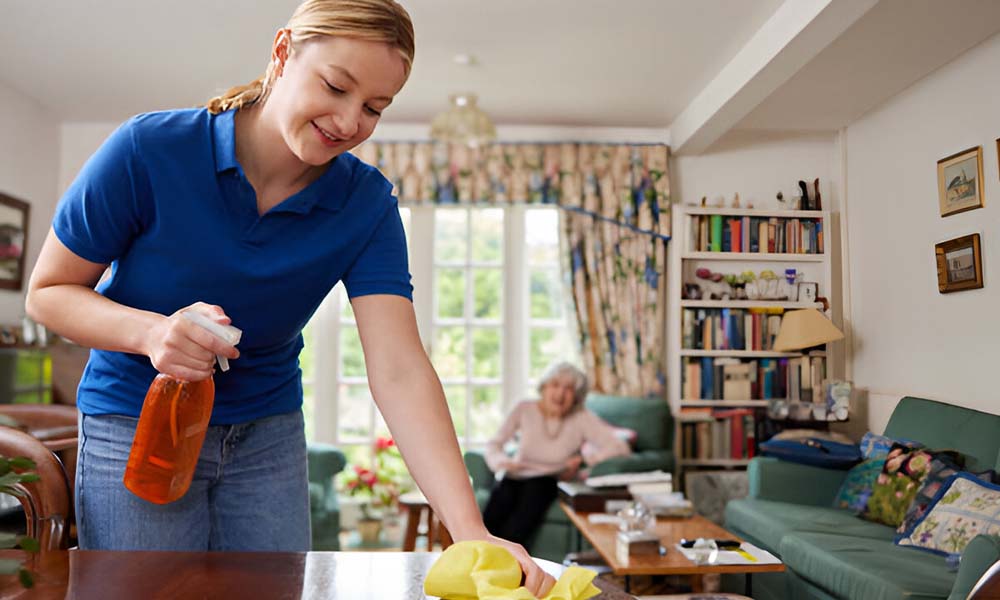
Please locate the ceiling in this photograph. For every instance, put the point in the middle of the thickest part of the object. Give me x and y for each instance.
(627, 63)
(692, 69)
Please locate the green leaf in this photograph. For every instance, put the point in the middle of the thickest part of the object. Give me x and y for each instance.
(27, 580)
(29, 477)
(22, 463)
(29, 543)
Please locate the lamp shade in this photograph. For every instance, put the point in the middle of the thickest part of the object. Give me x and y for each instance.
(805, 329)
(463, 123)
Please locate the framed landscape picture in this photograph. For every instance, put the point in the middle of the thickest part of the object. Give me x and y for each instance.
(959, 264)
(960, 181)
(13, 241)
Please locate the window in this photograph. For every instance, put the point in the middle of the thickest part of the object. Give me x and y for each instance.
(491, 309)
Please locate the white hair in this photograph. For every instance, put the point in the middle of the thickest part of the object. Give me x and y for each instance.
(562, 369)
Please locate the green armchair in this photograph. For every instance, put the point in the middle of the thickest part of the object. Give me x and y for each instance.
(649, 417)
(325, 461)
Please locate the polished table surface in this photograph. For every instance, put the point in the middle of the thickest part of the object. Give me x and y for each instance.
(106, 575)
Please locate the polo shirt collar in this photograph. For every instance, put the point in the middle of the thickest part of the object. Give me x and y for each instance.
(329, 191)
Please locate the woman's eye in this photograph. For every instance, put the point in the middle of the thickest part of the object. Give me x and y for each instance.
(373, 112)
(334, 88)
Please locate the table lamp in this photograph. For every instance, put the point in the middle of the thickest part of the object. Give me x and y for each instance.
(805, 328)
(801, 330)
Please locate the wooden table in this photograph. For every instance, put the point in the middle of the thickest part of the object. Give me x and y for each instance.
(415, 506)
(106, 575)
(671, 531)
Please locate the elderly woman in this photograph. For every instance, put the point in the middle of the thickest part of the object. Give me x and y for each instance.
(552, 433)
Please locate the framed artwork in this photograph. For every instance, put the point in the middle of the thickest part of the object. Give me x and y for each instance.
(13, 241)
(808, 291)
(960, 181)
(959, 264)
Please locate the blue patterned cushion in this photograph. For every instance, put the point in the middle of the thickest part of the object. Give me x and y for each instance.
(874, 445)
(858, 484)
(963, 508)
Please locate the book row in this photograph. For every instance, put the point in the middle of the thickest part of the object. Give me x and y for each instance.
(798, 379)
(718, 233)
(730, 328)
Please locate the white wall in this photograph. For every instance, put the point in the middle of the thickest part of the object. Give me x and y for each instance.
(910, 339)
(29, 165)
(757, 164)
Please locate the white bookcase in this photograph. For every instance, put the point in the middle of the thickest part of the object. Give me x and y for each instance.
(685, 260)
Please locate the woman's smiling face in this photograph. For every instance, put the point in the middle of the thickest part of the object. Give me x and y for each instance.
(330, 93)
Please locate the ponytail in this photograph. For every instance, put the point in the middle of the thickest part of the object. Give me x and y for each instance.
(237, 97)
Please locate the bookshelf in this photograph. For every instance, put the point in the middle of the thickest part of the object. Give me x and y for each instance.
(730, 424)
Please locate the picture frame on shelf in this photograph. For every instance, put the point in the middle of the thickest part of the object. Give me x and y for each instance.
(959, 264)
(13, 241)
(808, 291)
(960, 178)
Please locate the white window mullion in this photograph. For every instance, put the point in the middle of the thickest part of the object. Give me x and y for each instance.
(326, 337)
(515, 314)
(422, 270)
(470, 310)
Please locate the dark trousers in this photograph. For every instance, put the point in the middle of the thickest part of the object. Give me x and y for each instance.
(517, 507)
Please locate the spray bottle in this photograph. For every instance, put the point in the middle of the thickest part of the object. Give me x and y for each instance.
(172, 427)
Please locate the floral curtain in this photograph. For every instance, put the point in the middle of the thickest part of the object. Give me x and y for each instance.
(617, 201)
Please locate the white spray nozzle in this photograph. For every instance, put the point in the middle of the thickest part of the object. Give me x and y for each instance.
(226, 333)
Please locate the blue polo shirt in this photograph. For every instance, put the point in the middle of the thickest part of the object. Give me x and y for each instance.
(166, 204)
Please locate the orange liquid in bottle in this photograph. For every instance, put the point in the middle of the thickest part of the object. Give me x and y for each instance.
(168, 438)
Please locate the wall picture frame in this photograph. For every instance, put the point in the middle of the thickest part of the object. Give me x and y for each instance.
(960, 181)
(14, 215)
(959, 264)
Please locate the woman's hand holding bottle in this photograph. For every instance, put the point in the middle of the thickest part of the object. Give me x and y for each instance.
(178, 347)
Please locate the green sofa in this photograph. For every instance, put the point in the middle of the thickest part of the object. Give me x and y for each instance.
(830, 553)
(324, 461)
(649, 417)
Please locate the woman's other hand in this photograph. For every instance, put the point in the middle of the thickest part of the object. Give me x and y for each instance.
(571, 469)
(536, 581)
(181, 349)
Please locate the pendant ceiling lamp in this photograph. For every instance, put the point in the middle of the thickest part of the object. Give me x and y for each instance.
(463, 123)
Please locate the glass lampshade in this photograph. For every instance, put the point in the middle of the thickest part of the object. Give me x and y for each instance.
(463, 123)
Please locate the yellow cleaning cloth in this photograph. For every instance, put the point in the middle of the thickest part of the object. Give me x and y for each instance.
(481, 571)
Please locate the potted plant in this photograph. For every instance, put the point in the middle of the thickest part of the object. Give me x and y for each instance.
(379, 487)
(14, 471)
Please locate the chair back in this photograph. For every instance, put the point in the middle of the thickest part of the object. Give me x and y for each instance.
(47, 502)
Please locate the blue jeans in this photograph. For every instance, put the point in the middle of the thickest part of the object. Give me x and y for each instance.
(249, 493)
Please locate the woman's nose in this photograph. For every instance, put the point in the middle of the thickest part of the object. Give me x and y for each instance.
(346, 123)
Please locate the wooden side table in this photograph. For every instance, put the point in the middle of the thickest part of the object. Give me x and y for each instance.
(415, 505)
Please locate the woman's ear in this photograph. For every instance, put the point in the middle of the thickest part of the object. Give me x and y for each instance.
(280, 50)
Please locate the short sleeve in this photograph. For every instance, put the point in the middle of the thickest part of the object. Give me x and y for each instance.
(99, 215)
(383, 266)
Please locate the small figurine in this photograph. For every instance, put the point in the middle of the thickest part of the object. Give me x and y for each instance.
(804, 205)
(736, 200)
(817, 204)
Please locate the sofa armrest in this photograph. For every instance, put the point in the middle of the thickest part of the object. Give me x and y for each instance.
(324, 462)
(647, 460)
(979, 555)
(479, 471)
(773, 479)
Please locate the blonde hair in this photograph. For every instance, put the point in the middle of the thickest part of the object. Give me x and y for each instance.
(371, 20)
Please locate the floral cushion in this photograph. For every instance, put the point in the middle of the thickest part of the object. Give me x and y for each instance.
(857, 486)
(897, 485)
(874, 445)
(941, 469)
(963, 508)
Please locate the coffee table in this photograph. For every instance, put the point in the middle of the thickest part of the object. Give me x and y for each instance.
(671, 531)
